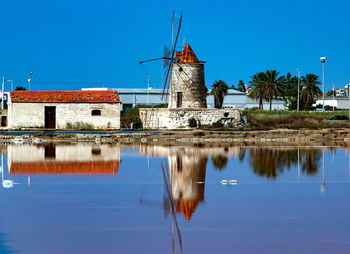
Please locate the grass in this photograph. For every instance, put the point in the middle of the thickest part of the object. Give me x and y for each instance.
(79, 126)
(264, 119)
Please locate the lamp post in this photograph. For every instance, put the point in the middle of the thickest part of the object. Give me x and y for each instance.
(298, 69)
(323, 61)
(333, 96)
(148, 89)
(30, 80)
(2, 93)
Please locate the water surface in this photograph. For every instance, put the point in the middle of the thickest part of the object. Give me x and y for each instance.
(166, 199)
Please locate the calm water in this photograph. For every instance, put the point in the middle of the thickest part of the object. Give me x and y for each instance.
(158, 199)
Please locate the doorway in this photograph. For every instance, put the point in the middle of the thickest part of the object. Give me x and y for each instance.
(50, 117)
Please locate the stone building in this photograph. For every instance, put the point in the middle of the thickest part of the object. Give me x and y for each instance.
(187, 104)
(64, 109)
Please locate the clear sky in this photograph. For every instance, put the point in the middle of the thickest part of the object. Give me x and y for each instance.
(88, 43)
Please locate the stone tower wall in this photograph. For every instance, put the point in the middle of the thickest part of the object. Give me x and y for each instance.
(188, 78)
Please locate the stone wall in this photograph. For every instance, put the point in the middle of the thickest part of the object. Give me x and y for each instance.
(167, 118)
(32, 115)
(188, 78)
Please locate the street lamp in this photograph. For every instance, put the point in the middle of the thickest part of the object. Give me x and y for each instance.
(148, 89)
(30, 80)
(298, 69)
(323, 61)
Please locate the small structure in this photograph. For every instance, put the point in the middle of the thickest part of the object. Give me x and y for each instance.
(64, 109)
(187, 106)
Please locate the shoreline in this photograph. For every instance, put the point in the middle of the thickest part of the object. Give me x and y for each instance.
(278, 137)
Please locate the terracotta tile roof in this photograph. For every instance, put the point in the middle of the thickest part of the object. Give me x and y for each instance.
(187, 55)
(67, 168)
(87, 96)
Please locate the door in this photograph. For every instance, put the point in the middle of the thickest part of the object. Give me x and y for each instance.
(50, 117)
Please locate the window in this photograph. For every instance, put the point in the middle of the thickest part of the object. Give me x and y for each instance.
(96, 112)
(179, 100)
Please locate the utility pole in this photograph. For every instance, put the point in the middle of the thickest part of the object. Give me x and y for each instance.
(298, 69)
(2, 93)
(323, 61)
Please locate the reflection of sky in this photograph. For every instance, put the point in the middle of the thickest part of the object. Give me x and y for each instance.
(103, 214)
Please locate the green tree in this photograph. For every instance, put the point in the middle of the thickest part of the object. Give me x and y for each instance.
(331, 93)
(310, 90)
(241, 86)
(290, 92)
(256, 88)
(273, 86)
(266, 86)
(20, 88)
(219, 90)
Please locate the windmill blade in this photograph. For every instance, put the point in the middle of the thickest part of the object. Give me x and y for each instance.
(166, 57)
(167, 80)
(172, 59)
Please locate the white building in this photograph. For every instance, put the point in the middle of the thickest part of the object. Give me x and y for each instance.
(339, 102)
(234, 99)
(64, 109)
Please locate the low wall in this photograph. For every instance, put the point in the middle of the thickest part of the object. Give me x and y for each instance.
(167, 118)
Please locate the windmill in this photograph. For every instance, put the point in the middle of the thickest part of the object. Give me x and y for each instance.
(169, 57)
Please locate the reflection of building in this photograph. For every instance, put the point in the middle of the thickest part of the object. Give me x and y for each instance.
(63, 159)
(187, 182)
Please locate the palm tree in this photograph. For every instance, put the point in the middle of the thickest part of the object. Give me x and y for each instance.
(273, 86)
(220, 89)
(256, 87)
(310, 90)
(266, 86)
(241, 86)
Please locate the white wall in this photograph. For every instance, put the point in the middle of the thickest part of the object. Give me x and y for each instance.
(28, 115)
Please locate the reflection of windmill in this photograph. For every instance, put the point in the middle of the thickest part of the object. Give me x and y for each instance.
(169, 206)
(169, 201)
(184, 75)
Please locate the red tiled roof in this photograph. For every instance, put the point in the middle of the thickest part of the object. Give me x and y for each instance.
(187, 55)
(58, 168)
(87, 96)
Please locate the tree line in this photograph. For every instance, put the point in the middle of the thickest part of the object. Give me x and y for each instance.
(269, 85)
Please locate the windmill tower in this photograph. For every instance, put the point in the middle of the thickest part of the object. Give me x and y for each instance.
(183, 76)
(187, 87)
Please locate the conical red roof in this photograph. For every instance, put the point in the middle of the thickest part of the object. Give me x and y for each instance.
(187, 55)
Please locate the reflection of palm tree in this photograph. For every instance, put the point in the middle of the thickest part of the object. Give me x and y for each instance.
(241, 154)
(219, 162)
(269, 162)
(310, 161)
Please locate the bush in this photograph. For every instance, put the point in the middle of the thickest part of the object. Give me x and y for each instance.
(79, 126)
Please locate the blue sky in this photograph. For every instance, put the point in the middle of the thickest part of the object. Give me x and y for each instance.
(95, 43)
